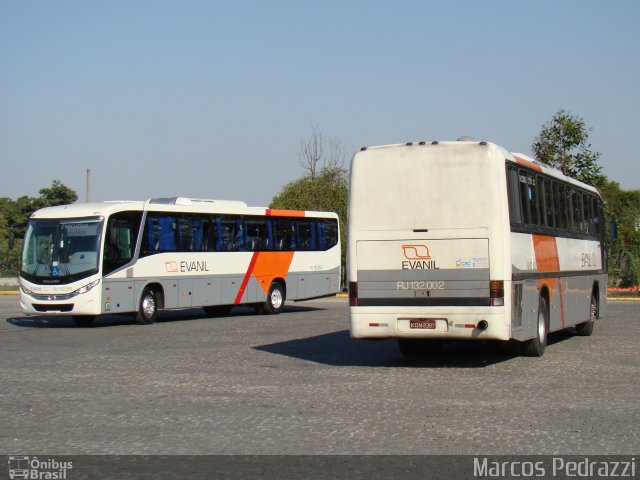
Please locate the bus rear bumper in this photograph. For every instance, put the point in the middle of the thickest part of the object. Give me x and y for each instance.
(374, 323)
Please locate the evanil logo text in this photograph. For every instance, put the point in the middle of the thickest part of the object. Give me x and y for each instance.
(417, 257)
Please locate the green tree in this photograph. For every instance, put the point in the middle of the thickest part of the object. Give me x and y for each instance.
(57, 194)
(623, 207)
(14, 215)
(325, 185)
(563, 143)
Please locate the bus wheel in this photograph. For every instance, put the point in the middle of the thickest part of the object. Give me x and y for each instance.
(148, 308)
(536, 346)
(275, 299)
(586, 329)
(84, 320)
(413, 347)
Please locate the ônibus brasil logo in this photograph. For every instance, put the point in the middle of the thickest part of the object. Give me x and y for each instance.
(31, 468)
(417, 257)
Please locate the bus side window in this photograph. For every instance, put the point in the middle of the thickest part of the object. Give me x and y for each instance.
(282, 235)
(209, 235)
(239, 240)
(549, 208)
(306, 235)
(257, 236)
(327, 233)
(515, 206)
(534, 199)
(331, 233)
(167, 234)
(587, 225)
(524, 197)
(227, 234)
(186, 233)
(121, 239)
(561, 198)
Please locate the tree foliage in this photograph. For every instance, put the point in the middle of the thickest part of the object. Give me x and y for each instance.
(563, 143)
(14, 215)
(623, 210)
(57, 194)
(325, 185)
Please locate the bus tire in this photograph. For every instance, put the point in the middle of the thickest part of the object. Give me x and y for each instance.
(537, 345)
(586, 329)
(148, 307)
(84, 320)
(275, 299)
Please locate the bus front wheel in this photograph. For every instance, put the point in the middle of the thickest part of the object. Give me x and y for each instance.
(148, 308)
(536, 346)
(275, 299)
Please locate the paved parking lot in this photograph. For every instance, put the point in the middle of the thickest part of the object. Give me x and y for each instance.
(297, 384)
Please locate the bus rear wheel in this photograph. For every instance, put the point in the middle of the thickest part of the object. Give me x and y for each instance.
(537, 345)
(586, 329)
(275, 299)
(148, 308)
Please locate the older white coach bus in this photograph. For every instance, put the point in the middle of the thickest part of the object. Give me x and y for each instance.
(90, 259)
(464, 240)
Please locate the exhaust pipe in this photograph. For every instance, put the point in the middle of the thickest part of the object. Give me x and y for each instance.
(482, 325)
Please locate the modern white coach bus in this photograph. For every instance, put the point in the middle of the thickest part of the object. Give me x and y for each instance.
(90, 259)
(466, 241)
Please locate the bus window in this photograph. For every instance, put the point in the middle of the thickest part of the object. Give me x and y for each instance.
(120, 240)
(586, 210)
(549, 209)
(229, 234)
(515, 206)
(159, 234)
(524, 197)
(306, 235)
(327, 234)
(196, 234)
(282, 234)
(257, 234)
(560, 194)
(534, 200)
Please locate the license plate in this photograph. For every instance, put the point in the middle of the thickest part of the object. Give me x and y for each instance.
(423, 324)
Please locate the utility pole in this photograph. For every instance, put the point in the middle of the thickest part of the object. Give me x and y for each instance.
(88, 191)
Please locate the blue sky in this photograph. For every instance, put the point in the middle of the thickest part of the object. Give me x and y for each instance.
(211, 99)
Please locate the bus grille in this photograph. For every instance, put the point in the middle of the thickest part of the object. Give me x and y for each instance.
(53, 307)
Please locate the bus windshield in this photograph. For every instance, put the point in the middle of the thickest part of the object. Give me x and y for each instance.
(61, 250)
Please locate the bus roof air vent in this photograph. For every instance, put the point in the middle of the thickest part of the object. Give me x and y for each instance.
(465, 138)
(195, 201)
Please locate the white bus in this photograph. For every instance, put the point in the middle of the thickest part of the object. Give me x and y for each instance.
(85, 260)
(466, 241)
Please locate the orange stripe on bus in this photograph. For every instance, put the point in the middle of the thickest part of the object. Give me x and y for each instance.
(284, 213)
(527, 163)
(246, 278)
(271, 265)
(264, 267)
(545, 249)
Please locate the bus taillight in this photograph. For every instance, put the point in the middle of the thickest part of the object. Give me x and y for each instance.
(353, 294)
(496, 293)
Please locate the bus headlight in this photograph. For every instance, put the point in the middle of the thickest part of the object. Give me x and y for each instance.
(25, 290)
(86, 288)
